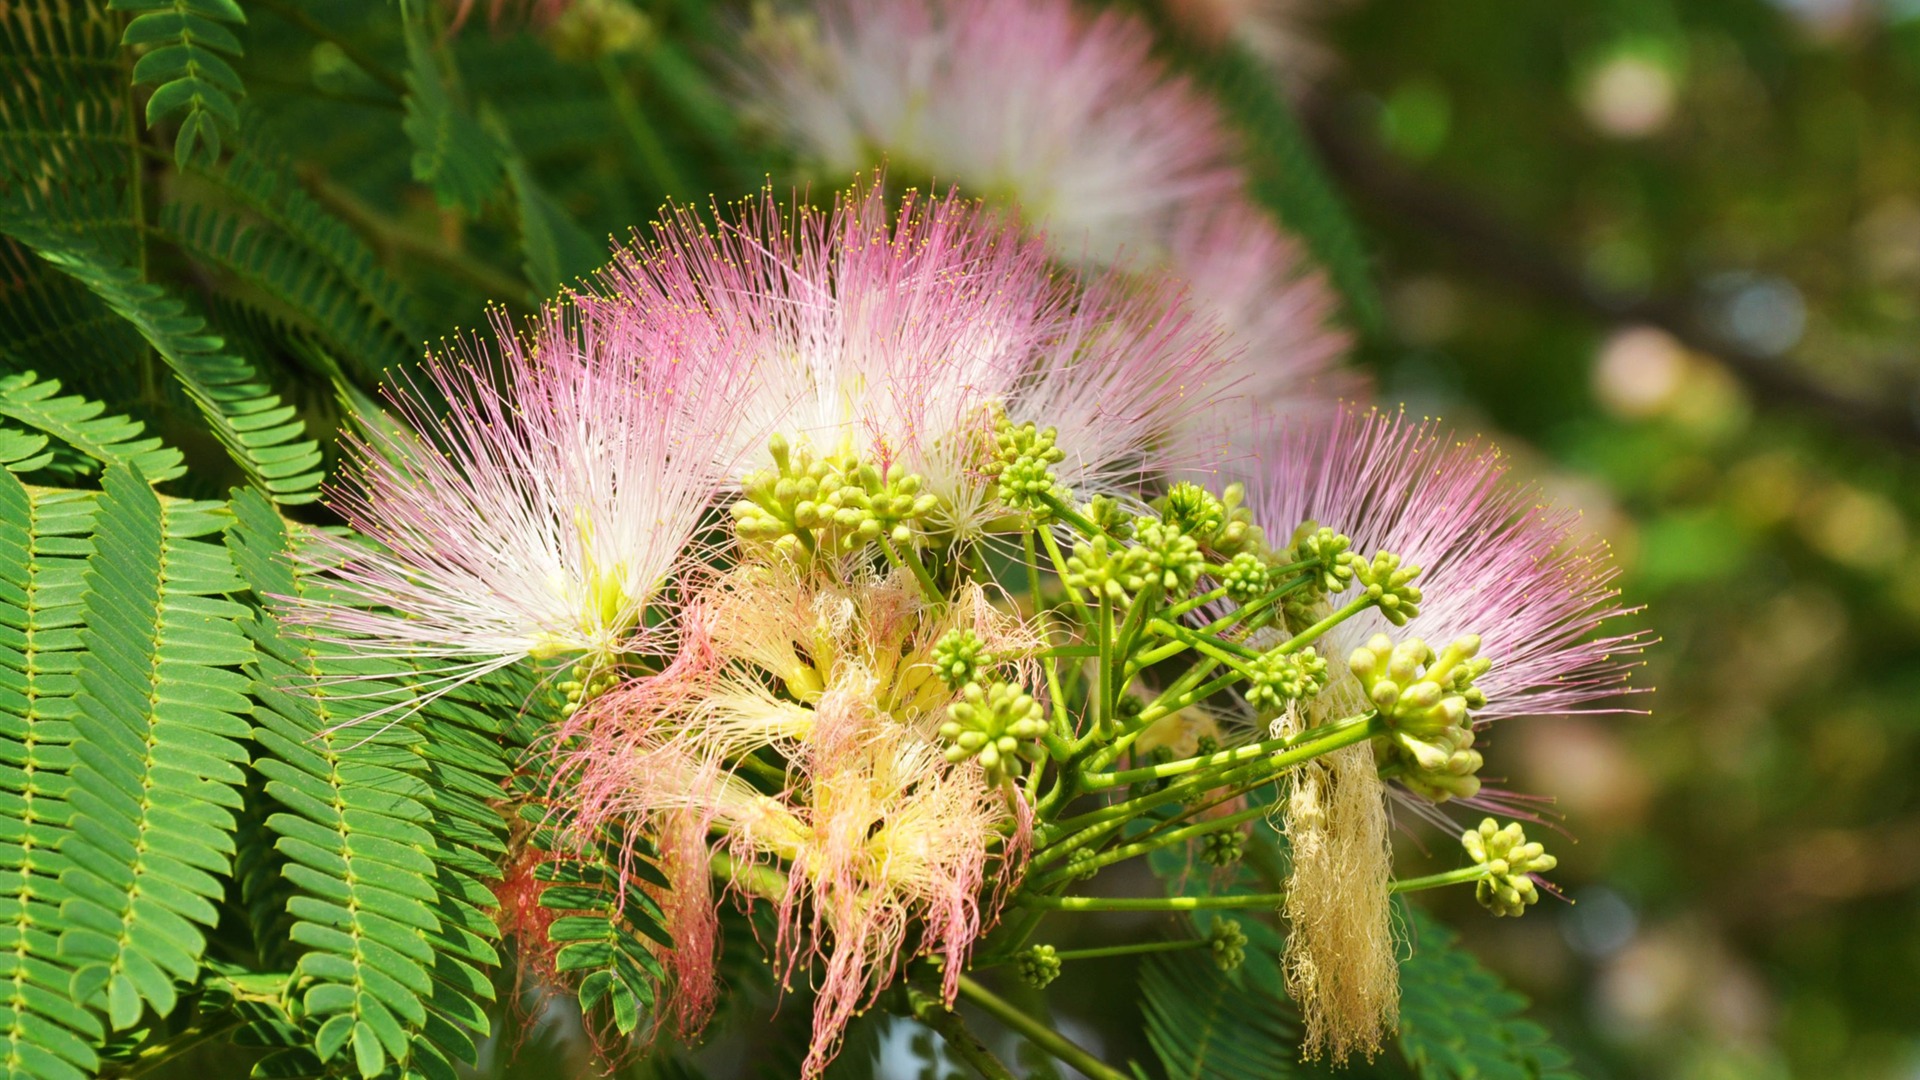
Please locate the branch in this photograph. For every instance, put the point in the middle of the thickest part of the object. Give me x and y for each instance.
(1483, 243)
(1038, 1033)
(965, 1045)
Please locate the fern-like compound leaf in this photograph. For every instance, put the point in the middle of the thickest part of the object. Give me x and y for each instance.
(452, 153)
(86, 426)
(264, 436)
(44, 540)
(388, 902)
(1207, 1024)
(158, 749)
(1458, 1021)
(183, 62)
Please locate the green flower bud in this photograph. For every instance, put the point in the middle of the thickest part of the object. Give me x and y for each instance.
(1510, 861)
(1024, 456)
(1223, 848)
(1167, 555)
(1247, 578)
(1205, 745)
(1193, 510)
(1277, 678)
(1331, 565)
(1227, 943)
(999, 724)
(1037, 966)
(1390, 586)
(1110, 517)
(1427, 702)
(1080, 864)
(1159, 755)
(959, 655)
(1104, 568)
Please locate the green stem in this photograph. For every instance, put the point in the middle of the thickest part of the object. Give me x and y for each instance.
(1102, 781)
(1148, 845)
(1221, 649)
(911, 561)
(1059, 561)
(1353, 607)
(1071, 516)
(1038, 1033)
(965, 1045)
(1129, 950)
(1153, 903)
(1191, 603)
(1436, 881)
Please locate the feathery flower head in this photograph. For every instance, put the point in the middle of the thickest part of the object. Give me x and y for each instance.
(539, 515)
(1070, 118)
(888, 341)
(1064, 113)
(1497, 561)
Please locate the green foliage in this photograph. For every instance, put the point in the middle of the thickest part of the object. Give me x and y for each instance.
(452, 153)
(263, 436)
(157, 751)
(1208, 1024)
(184, 40)
(86, 427)
(44, 542)
(387, 896)
(1459, 1022)
(600, 934)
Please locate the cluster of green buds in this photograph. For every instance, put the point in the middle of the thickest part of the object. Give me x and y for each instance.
(1220, 524)
(1000, 724)
(1426, 701)
(1110, 517)
(1037, 966)
(1247, 577)
(959, 655)
(1328, 564)
(1166, 555)
(1223, 848)
(1509, 861)
(1227, 944)
(1276, 678)
(835, 500)
(1104, 567)
(1023, 459)
(1389, 584)
(585, 682)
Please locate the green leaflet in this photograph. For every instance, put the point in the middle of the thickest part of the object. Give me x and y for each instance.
(43, 543)
(1459, 1022)
(452, 153)
(157, 752)
(308, 263)
(262, 435)
(599, 941)
(383, 835)
(185, 40)
(1206, 1024)
(86, 426)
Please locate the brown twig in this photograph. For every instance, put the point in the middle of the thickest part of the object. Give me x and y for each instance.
(1483, 243)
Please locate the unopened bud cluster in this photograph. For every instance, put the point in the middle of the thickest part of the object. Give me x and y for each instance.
(1277, 678)
(1037, 966)
(1227, 944)
(836, 500)
(959, 655)
(1223, 848)
(1220, 524)
(1000, 724)
(1510, 860)
(1023, 460)
(1426, 701)
(1389, 584)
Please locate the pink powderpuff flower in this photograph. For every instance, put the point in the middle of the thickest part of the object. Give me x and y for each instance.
(1497, 560)
(538, 516)
(1273, 303)
(892, 332)
(1070, 118)
(1066, 114)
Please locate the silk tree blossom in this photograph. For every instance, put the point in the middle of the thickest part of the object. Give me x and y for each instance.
(1497, 560)
(538, 516)
(874, 828)
(895, 334)
(1065, 114)
(1068, 117)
